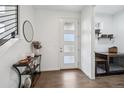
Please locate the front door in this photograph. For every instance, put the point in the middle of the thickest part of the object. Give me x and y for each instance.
(69, 45)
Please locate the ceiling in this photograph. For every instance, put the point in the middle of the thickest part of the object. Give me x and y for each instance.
(109, 9)
(72, 8)
(102, 9)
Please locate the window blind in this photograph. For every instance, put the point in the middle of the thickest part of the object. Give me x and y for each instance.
(8, 22)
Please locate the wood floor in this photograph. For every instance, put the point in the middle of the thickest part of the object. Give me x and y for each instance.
(77, 79)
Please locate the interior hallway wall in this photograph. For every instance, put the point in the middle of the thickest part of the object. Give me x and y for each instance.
(8, 77)
(118, 25)
(87, 41)
(107, 27)
(111, 24)
(47, 23)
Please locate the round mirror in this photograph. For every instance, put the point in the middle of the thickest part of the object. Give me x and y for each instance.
(28, 31)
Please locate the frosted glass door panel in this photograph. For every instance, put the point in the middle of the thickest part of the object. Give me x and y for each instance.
(69, 26)
(69, 37)
(69, 59)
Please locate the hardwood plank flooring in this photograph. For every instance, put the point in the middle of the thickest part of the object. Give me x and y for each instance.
(77, 79)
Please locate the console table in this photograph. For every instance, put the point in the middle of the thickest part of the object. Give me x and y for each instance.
(107, 56)
(31, 66)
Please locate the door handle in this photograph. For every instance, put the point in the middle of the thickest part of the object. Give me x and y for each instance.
(61, 50)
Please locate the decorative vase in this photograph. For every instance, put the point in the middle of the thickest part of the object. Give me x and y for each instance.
(36, 47)
(37, 51)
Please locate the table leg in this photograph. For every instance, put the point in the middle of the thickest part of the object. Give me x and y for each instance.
(95, 68)
(19, 74)
(107, 64)
(39, 63)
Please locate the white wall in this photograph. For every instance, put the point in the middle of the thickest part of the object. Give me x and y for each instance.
(118, 25)
(47, 22)
(8, 77)
(106, 20)
(87, 42)
(111, 24)
(102, 45)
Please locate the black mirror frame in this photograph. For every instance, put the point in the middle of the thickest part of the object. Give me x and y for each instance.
(32, 30)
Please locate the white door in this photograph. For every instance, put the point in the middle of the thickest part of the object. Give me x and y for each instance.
(68, 43)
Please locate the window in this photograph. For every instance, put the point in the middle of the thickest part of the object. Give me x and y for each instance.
(8, 23)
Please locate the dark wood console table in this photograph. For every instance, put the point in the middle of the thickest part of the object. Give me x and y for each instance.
(31, 70)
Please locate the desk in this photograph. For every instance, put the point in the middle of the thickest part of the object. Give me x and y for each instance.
(107, 56)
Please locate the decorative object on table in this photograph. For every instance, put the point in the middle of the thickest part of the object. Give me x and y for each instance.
(24, 61)
(27, 82)
(32, 55)
(113, 49)
(29, 58)
(28, 31)
(36, 46)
